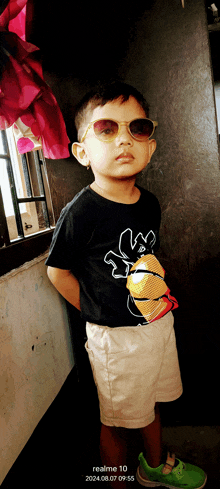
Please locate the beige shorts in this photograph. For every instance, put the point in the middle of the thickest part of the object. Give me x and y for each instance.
(133, 368)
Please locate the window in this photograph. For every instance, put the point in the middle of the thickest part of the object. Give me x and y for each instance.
(25, 201)
(26, 214)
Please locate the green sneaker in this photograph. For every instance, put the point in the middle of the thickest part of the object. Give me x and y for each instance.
(171, 474)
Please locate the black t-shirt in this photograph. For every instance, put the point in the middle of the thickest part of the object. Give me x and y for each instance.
(99, 241)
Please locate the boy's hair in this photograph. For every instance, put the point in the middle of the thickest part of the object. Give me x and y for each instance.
(102, 94)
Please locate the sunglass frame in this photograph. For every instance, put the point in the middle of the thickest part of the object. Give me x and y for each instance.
(91, 124)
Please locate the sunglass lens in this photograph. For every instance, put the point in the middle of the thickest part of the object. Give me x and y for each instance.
(105, 129)
(141, 129)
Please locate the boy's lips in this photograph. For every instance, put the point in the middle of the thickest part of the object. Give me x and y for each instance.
(125, 156)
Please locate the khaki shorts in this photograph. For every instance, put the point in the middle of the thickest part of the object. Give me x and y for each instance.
(133, 368)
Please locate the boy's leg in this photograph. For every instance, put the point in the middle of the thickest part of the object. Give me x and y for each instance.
(152, 437)
(113, 447)
(113, 451)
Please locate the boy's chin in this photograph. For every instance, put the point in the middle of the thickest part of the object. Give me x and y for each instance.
(128, 175)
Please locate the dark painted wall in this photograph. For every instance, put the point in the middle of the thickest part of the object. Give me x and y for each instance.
(175, 71)
(163, 50)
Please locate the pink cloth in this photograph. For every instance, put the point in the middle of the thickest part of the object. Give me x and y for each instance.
(24, 95)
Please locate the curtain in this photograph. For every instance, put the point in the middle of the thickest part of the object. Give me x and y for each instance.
(26, 101)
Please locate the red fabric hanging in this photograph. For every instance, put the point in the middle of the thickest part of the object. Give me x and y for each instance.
(26, 101)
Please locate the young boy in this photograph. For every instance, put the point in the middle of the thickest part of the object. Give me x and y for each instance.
(102, 261)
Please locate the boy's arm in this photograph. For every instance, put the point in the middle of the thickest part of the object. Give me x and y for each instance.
(66, 284)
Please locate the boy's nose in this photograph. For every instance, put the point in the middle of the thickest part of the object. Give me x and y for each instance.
(124, 137)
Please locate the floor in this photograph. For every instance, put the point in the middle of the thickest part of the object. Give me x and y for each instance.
(64, 446)
(199, 445)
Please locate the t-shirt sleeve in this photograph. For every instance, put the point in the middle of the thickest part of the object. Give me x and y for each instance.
(66, 242)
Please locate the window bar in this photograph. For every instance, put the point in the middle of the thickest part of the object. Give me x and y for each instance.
(38, 162)
(26, 175)
(38, 171)
(4, 235)
(4, 143)
(15, 199)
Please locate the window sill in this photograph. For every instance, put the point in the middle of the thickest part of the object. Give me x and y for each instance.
(21, 251)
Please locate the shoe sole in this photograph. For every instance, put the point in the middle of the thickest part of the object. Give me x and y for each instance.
(149, 483)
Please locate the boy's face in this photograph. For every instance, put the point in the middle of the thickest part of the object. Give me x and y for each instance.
(122, 158)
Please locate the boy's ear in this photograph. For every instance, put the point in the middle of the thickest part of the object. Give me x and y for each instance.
(80, 154)
(152, 147)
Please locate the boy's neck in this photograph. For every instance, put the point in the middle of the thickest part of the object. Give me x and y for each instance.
(121, 191)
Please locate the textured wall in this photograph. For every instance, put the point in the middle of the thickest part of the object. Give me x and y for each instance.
(36, 354)
(174, 70)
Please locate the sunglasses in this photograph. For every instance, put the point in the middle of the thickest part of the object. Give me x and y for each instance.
(107, 129)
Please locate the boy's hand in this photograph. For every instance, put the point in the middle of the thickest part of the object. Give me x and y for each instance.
(66, 284)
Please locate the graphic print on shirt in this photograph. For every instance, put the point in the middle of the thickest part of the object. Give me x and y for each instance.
(145, 276)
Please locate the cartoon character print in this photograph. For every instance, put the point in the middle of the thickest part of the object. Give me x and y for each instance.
(145, 276)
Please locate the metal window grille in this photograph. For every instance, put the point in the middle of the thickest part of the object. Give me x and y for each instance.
(33, 175)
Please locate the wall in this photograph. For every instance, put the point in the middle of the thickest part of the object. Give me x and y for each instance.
(36, 354)
(175, 72)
